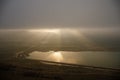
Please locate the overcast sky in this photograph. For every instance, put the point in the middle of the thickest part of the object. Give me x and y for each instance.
(59, 13)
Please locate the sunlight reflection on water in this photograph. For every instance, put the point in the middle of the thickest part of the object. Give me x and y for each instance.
(100, 59)
(58, 56)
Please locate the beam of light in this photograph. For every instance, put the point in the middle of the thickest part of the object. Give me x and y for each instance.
(85, 42)
(47, 36)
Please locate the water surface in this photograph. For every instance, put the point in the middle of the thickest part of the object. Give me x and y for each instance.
(91, 58)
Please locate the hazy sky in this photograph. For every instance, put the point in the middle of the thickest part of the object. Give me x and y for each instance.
(59, 13)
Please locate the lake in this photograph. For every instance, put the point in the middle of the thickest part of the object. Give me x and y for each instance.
(90, 58)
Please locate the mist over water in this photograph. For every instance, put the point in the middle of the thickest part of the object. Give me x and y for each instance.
(85, 47)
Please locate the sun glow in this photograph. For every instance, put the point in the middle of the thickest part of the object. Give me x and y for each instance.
(45, 30)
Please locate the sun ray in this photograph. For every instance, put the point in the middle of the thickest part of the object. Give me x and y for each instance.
(85, 42)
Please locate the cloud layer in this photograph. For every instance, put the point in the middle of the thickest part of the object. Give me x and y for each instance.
(59, 13)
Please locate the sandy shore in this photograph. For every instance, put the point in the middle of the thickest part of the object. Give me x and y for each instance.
(17, 69)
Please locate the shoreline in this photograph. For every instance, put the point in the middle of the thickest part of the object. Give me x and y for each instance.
(34, 69)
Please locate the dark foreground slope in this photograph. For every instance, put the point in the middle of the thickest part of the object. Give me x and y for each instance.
(17, 69)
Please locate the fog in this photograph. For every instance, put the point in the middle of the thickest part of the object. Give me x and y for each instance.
(83, 39)
(21, 14)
